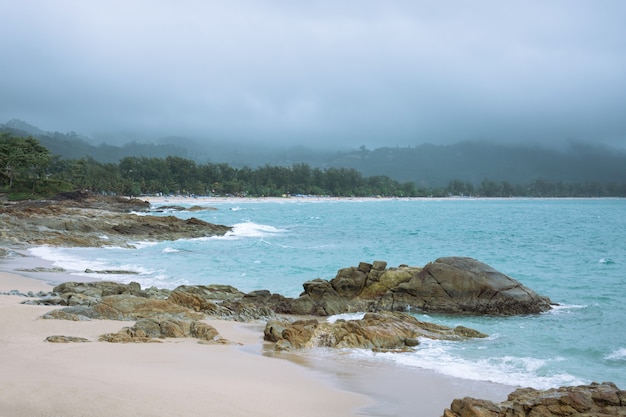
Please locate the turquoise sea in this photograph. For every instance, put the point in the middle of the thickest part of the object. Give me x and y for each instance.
(572, 250)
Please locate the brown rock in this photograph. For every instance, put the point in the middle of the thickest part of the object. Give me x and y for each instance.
(65, 339)
(94, 221)
(147, 330)
(451, 285)
(595, 400)
(380, 331)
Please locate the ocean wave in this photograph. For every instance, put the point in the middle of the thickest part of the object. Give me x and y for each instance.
(606, 261)
(565, 308)
(62, 259)
(345, 316)
(509, 370)
(617, 355)
(251, 229)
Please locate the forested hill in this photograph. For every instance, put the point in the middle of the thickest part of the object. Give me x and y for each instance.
(431, 165)
(427, 165)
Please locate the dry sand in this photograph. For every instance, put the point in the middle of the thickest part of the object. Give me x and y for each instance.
(174, 378)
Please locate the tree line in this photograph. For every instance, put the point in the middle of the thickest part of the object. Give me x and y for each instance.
(28, 169)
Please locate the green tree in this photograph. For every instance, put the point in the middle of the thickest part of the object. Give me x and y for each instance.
(22, 157)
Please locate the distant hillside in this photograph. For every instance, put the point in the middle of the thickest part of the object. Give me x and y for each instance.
(427, 165)
(432, 165)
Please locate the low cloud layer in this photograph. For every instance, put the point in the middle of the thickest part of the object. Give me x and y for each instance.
(319, 72)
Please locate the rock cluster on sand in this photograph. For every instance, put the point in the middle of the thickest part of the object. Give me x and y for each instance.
(85, 220)
(595, 400)
(179, 313)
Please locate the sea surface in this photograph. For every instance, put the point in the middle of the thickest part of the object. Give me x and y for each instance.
(572, 250)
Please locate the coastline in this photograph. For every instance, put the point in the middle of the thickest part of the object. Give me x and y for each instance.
(260, 381)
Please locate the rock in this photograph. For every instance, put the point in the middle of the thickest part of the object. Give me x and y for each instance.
(213, 292)
(98, 289)
(128, 307)
(86, 220)
(594, 400)
(161, 209)
(65, 339)
(111, 272)
(204, 299)
(466, 286)
(378, 331)
(147, 330)
(452, 285)
(116, 301)
(75, 313)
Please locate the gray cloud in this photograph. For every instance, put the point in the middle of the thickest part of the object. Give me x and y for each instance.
(351, 72)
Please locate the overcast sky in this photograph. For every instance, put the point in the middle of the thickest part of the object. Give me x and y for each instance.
(338, 72)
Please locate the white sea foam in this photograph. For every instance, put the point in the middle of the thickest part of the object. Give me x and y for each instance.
(170, 250)
(565, 308)
(606, 261)
(508, 370)
(142, 244)
(251, 229)
(62, 259)
(345, 316)
(618, 355)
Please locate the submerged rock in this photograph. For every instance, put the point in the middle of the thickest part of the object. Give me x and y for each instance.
(594, 400)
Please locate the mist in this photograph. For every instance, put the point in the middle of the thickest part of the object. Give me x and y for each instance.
(320, 74)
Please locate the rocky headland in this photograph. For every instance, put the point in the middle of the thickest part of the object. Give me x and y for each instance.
(87, 220)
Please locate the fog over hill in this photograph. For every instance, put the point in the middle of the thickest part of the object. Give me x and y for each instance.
(425, 164)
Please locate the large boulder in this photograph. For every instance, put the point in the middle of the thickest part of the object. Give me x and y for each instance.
(466, 286)
(594, 400)
(453, 285)
(378, 331)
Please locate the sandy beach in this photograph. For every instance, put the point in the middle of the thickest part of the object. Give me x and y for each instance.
(173, 378)
(183, 377)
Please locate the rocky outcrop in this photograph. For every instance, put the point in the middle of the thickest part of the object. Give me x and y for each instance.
(453, 285)
(378, 331)
(117, 301)
(94, 221)
(448, 285)
(595, 400)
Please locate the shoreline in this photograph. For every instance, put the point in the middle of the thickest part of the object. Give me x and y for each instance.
(370, 389)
